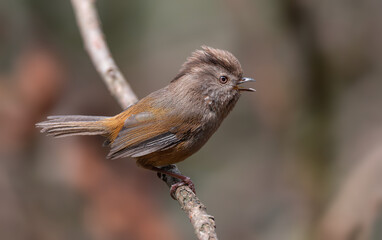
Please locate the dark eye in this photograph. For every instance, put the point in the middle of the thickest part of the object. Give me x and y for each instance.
(223, 79)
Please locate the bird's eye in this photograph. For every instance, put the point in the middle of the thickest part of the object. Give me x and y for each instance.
(223, 79)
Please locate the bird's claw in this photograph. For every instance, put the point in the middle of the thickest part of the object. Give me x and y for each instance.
(187, 181)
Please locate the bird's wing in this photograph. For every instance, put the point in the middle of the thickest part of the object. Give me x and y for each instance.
(142, 134)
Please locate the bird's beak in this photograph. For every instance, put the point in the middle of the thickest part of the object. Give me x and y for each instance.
(244, 80)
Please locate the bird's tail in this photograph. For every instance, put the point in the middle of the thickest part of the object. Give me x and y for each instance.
(70, 125)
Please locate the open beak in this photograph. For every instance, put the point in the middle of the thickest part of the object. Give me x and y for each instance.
(244, 80)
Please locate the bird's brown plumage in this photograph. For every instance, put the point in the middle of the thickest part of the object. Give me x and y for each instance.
(172, 123)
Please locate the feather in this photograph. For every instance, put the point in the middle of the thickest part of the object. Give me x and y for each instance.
(69, 125)
(149, 146)
(142, 134)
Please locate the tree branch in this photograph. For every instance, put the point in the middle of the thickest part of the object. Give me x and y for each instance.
(89, 24)
(203, 223)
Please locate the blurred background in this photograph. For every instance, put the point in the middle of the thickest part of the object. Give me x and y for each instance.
(299, 159)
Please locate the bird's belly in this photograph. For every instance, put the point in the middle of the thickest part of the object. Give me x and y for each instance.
(169, 156)
(182, 150)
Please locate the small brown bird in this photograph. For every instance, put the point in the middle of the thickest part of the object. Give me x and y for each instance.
(170, 124)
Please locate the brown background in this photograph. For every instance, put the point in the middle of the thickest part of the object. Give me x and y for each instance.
(299, 159)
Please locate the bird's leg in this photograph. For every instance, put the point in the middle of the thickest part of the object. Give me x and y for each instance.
(184, 180)
(172, 171)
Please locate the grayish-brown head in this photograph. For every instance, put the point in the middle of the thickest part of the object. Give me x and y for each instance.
(213, 76)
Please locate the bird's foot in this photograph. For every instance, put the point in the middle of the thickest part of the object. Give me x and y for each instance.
(173, 177)
(184, 181)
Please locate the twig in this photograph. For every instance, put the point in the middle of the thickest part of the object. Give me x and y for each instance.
(88, 21)
(89, 24)
(204, 224)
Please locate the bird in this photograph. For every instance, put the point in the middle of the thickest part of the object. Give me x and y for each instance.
(172, 123)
